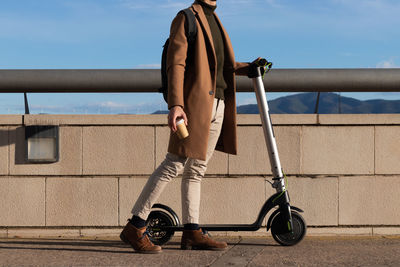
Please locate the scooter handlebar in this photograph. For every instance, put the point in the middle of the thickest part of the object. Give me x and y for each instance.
(258, 68)
(264, 63)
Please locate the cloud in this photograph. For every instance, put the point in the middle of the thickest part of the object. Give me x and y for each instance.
(386, 64)
(247, 99)
(110, 104)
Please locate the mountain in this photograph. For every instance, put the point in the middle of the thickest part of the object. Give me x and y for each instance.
(160, 112)
(304, 103)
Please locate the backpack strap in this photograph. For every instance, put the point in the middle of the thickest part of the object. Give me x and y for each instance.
(191, 27)
(191, 34)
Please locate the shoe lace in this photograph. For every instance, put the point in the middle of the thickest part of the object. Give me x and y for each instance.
(145, 234)
(206, 233)
(147, 240)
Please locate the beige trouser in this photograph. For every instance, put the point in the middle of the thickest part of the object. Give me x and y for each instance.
(193, 172)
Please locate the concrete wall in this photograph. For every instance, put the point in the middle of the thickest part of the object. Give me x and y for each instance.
(343, 170)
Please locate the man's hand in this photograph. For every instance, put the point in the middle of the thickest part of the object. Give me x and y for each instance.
(174, 113)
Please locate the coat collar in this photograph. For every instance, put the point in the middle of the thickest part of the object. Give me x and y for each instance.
(203, 22)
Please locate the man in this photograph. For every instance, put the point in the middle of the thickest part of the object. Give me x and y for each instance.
(201, 90)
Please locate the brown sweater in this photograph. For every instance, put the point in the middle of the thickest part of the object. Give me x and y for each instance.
(218, 46)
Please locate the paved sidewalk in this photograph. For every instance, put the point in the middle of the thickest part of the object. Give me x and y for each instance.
(313, 251)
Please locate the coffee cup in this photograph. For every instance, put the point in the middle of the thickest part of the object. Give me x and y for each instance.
(182, 131)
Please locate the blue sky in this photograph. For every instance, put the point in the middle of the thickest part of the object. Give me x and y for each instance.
(59, 34)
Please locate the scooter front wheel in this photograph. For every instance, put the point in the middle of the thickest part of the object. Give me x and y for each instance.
(280, 232)
(156, 219)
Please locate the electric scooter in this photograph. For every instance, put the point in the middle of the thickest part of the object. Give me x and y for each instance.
(287, 226)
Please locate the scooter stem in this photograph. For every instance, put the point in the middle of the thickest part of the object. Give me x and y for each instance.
(268, 131)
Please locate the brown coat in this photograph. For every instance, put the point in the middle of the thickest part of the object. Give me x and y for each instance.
(193, 86)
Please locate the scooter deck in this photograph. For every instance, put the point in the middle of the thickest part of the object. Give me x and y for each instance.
(216, 227)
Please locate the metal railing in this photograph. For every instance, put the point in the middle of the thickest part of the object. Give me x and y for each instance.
(139, 80)
(145, 80)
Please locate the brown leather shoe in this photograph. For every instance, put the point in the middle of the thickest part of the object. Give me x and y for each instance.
(138, 239)
(195, 239)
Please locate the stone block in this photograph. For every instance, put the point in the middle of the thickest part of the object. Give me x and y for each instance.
(6, 119)
(130, 189)
(278, 119)
(318, 197)
(4, 147)
(386, 230)
(294, 119)
(82, 201)
(358, 119)
(387, 150)
(86, 120)
(3, 233)
(218, 164)
(118, 150)
(338, 150)
(288, 140)
(100, 233)
(231, 200)
(253, 157)
(22, 201)
(369, 200)
(338, 231)
(162, 139)
(42, 233)
(70, 161)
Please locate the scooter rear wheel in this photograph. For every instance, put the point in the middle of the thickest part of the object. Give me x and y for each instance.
(280, 233)
(159, 218)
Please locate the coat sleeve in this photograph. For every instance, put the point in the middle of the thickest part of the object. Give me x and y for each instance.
(176, 61)
(241, 68)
